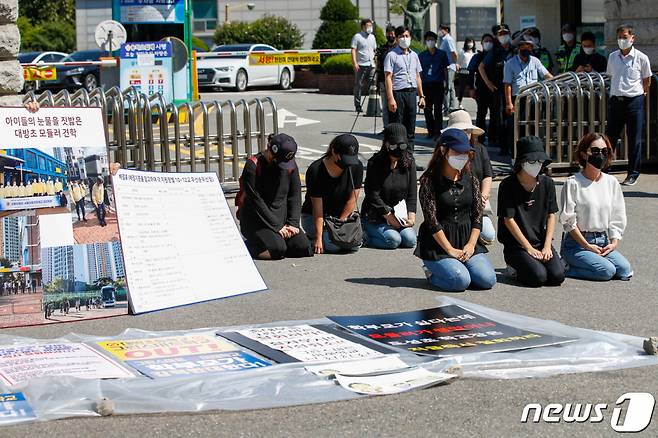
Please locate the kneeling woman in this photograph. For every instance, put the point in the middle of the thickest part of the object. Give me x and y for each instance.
(527, 214)
(390, 184)
(332, 187)
(448, 241)
(271, 201)
(594, 216)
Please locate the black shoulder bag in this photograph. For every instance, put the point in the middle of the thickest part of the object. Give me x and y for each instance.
(345, 234)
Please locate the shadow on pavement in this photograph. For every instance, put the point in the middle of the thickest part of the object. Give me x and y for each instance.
(640, 195)
(393, 282)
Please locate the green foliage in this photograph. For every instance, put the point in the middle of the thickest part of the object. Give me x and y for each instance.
(339, 10)
(396, 6)
(47, 25)
(39, 11)
(272, 30)
(379, 35)
(417, 46)
(338, 64)
(335, 34)
(199, 44)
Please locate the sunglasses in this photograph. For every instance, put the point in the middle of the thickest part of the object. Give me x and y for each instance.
(534, 162)
(401, 146)
(599, 151)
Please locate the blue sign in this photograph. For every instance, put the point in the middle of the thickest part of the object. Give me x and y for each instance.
(150, 11)
(148, 67)
(15, 409)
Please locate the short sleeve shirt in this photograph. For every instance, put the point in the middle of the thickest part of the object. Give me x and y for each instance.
(334, 191)
(433, 65)
(519, 74)
(627, 72)
(529, 210)
(404, 67)
(365, 45)
(448, 46)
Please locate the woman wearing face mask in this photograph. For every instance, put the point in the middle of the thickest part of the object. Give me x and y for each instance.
(465, 56)
(332, 188)
(389, 209)
(527, 214)
(594, 216)
(448, 237)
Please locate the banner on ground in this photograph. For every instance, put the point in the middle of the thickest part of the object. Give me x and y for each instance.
(285, 59)
(444, 331)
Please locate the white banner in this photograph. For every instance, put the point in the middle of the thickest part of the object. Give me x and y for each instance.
(30, 202)
(52, 127)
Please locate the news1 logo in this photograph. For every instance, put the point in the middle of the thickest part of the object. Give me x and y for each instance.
(638, 412)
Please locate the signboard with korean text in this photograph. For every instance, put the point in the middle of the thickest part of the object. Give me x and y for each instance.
(151, 11)
(148, 67)
(52, 127)
(39, 73)
(285, 58)
(444, 331)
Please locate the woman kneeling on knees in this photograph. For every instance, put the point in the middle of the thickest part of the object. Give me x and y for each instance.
(594, 216)
(527, 214)
(452, 208)
(390, 189)
(271, 208)
(332, 187)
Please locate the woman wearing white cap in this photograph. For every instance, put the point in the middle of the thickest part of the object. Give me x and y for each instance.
(480, 167)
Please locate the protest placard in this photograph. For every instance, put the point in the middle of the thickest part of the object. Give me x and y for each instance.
(14, 408)
(382, 364)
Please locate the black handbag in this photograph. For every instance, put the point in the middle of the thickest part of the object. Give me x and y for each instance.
(347, 233)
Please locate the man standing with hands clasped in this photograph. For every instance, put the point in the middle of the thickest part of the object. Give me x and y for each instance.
(364, 46)
(403, 84)
(630, 78)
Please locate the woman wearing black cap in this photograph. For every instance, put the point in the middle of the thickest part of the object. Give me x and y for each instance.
(270, 202)
(448, 239)
(332, 188)
(389, 208)
(527, 214)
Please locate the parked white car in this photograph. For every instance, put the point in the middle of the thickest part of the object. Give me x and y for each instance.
(235, 71)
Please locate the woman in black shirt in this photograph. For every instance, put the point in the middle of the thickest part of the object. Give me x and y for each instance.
(389, 208)
(332, 187)
(527, 210)
(448, 239)
(270, 208)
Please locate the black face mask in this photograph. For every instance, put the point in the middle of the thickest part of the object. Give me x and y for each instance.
(596, 160)
(390, 39)
(525, 53)
(340, 163)
(396, 153)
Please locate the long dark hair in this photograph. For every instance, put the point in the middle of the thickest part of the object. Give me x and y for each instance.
(438, 157)
(466, 41)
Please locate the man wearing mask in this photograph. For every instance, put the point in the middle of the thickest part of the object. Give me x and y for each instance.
(434, 63)
(363, 59)
(569, 48)
(491, 71)
(380, 55)
(630, 78)
(589, 60)
(403, 84)
(450, 48)
(539, 52)
(520, 71)
(483, 95)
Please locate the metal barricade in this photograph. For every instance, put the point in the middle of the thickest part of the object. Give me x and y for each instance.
(147, 133)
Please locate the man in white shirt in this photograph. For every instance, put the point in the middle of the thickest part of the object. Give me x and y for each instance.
(364, 46)
(448, 45)
(630, 78)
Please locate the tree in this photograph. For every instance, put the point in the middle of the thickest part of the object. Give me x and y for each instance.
(47, 25)
(39, 11)
(271, 30)
(339, 24)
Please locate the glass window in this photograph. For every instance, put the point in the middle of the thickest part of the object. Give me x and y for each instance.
(30, 159)
(42, 163)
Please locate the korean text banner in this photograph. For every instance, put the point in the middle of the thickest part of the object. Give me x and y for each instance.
(445, 331)
(285, 58)
(52, 127)
(151, 11)
(170, 346)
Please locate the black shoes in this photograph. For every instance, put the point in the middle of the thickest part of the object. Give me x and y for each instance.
(630, 180)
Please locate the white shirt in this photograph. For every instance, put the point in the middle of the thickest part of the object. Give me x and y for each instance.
(465, 59)
(627, 72)
(365, 45)
(594, 206)
(448, 46)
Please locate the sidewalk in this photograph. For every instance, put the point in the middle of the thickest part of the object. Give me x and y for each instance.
(92, 232)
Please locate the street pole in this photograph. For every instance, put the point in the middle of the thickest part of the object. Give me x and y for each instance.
(226, 8)
(388, 12)
(372, 10)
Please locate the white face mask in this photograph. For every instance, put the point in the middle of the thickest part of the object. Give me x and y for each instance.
(567, 37)
(458, 162)
(487, 46)
(404, 42)
(503, 39)
(532, 169)
(369, 29)
(442, 33)
(588, 50)
(430, 44)
(624, 44)
(469, 45)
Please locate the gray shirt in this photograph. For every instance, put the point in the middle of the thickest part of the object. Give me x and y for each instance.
(404, 67)
(365, 45)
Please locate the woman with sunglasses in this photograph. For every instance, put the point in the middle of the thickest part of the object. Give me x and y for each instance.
(527, 214)
(389, 209)
(448, 239)
(594, 216)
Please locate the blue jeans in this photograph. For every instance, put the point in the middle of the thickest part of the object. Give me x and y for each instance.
(308, 224)
(451, 275)
(383, 236)
(488, 232)
(586, 265)
(629, 112)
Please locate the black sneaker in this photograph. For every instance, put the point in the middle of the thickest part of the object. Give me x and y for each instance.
(630, 180)
(358, 109)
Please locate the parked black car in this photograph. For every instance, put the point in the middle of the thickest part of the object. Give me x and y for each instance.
(75, 77)
(38, 58)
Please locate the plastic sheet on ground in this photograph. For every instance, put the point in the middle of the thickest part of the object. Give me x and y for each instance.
(290, 384)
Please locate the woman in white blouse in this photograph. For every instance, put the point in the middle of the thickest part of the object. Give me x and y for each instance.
(593, 215)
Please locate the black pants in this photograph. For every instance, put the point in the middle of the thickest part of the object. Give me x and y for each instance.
(80, 208)
(498, 116)
(267, 240)
(434, 92)
(533, 273)
(507, 145)
(628, 111)
(485, 103)
(406, 113)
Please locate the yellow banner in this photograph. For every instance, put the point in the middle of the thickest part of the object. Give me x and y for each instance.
(170, 346)
(39, 73)
(286, 58)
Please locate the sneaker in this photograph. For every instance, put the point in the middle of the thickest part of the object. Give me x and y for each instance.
(510, 272)
(630, 180)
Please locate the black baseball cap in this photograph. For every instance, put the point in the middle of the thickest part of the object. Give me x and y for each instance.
(497, 28)
(284, 148)
(347, 146)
